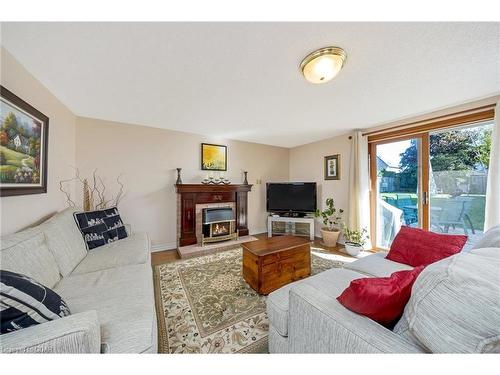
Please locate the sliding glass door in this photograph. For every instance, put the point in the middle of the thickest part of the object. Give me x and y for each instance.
(397, 187)
(458, 174)
(435, 180)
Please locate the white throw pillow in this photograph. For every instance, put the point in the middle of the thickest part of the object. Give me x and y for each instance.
(491, 238)
(455, 304)
(64, 240)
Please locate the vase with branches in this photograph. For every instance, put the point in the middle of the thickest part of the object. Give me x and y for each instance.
(94, 193)
(332, 218)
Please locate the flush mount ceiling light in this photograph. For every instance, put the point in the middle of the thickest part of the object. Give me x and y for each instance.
(323, 64)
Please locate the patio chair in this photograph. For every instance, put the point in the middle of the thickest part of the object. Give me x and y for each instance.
(453, 213)
(389, 224)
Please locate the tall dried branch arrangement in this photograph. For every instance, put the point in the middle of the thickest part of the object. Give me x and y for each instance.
(86, 196)
(62, 187)
(94, 193)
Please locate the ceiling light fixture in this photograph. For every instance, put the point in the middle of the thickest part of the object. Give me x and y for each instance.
(323, 64)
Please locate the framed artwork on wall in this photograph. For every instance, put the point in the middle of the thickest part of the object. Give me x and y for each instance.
(332, 167)
(23, 147)
(213, 157)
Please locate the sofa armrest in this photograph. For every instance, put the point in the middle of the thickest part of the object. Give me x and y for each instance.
(78, 333)
(320, 324)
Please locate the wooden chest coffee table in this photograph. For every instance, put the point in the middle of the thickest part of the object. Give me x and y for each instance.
(270, 263)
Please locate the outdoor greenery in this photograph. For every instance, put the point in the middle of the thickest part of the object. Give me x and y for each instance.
(459, 165)
(475, 209)
(332, 216)
(454, 150)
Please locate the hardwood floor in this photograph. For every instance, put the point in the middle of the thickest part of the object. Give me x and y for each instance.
(166, 256)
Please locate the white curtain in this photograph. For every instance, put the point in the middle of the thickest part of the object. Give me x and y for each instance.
(359, 183)
(492, 215)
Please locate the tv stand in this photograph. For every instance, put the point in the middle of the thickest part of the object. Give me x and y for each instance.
(290, 226)
(292, 214)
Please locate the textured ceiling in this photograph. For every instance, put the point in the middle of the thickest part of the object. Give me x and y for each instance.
(241, 80)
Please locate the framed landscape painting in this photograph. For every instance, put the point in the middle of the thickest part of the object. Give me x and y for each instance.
(23, 146)
(213, 157)
(332, 167)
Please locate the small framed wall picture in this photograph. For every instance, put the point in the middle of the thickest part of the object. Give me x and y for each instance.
(332, 167)
(23, 147)
(213, 157)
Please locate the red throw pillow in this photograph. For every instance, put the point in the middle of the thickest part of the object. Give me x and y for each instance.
(381, 299)
(417, 247)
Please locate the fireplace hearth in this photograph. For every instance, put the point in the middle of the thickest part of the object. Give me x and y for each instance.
(218, 225)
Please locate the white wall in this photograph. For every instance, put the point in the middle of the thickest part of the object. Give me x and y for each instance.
(18, 212)
(307, 164)
(147, 157)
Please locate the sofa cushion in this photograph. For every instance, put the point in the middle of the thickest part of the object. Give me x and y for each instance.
(331, 282)
(487, 251)
(25, 302)
(277, 342)
(402, 328)
(491, 238)
(418, 247)
(455, 305)
(26, 253)
(381, 299)
(377, 265)
(131, 250)
(124, 300)
(64, 240)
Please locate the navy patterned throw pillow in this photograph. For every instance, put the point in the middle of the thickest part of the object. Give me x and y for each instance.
(25, 302)
(100, 227)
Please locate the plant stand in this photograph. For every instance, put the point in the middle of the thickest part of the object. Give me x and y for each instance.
(290, 226)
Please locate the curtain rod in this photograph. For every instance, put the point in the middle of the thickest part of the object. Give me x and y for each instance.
(410, 124)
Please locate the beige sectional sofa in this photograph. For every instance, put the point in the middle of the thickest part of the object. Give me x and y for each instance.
(454, 308)
(109, 290)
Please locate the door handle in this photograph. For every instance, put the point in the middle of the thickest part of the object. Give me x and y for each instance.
(425, 198)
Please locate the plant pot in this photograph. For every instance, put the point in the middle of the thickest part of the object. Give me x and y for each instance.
(353, 249)
(330, 237)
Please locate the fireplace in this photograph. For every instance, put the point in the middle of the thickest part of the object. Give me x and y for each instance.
(218, 224)
(192, 196)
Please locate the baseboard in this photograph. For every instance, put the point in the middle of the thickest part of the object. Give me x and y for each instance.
(253, 232)
(164, 246)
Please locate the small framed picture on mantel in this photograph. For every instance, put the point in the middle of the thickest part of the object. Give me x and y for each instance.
(332, 167)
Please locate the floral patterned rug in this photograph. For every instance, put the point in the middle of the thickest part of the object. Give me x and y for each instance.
(205, 306)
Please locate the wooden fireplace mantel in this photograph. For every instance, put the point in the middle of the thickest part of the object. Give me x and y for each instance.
(193, 194)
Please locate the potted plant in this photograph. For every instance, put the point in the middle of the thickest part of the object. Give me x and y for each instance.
(331, 219)
(354, 240)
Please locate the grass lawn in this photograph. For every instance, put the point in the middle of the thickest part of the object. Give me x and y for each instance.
(14, 158)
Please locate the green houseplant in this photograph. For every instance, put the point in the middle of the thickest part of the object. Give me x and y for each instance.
(354, 240)
(331, 219)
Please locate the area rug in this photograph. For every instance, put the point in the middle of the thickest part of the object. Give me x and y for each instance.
(205, 306)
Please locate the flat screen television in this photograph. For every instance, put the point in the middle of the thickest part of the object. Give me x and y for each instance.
(291, 197)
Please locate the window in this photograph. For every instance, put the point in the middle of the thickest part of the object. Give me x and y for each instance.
(433, 178)
(458, 175)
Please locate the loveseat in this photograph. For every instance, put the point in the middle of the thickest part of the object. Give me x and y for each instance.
(454, 308)
(109, 290)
